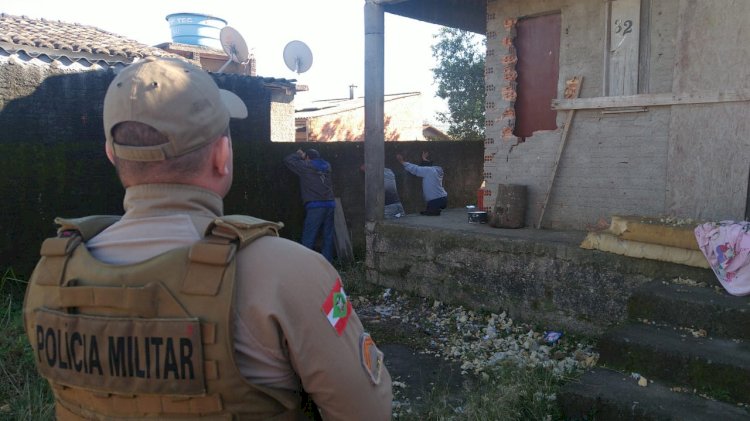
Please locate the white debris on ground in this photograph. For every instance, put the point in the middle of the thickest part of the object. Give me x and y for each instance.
(685, 281)
(690, 282)
(642, 381)
(478, 342)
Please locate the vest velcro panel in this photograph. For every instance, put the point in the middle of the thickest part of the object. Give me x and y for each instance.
(242, 228)
(55, 252)
(208, 260)
(135, 301)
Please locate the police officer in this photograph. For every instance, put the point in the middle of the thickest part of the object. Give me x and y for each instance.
(176, 311)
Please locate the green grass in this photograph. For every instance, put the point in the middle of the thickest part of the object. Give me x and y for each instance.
(24, 395)
(508, 393)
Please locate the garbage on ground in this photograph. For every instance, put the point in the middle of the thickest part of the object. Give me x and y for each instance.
(552, 337)
(642, 381)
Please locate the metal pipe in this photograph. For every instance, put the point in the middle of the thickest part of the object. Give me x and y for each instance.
(374, 117)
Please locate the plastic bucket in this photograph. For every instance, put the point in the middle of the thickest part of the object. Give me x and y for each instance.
(196, 29)
(478, 217)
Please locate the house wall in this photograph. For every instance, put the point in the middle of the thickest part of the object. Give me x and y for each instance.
(344, 126)
(403, 121)
(282, 116)
(53, 161)
(709, 151)
(652, 162)
(403, 118)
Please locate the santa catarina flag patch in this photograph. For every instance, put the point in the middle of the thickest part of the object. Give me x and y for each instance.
(337, 307)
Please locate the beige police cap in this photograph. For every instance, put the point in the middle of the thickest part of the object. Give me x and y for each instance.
(176, 98)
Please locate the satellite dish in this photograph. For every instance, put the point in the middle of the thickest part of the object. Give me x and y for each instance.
(298, 57)
(234, 45)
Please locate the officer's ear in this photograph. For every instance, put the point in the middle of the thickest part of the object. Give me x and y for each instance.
(109, 152)
(222, 155)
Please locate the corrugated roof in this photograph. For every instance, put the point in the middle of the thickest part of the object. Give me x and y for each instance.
(338, 105)
(71, 40)
(469, 15)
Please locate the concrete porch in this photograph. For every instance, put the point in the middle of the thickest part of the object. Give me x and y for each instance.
(541, 277)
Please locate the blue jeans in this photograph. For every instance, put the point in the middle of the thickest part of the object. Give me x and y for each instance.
(315, 219)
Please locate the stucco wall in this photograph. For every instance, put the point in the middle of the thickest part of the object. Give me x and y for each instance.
(53, 161)
(709, 145)
(611, 164)
(282, 115)
(686, 160)
(661, 45)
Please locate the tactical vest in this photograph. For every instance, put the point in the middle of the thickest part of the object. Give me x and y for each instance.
(145, 340)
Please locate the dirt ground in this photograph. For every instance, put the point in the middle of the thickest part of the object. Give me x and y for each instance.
(415, 373)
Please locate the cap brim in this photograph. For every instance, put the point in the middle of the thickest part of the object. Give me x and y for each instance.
(234, 104)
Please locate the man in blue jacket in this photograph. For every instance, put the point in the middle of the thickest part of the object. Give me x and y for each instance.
(432, 183)
(317, 195)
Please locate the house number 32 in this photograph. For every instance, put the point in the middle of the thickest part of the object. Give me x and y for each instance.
(624, 27)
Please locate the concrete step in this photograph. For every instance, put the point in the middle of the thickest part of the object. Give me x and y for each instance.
(717, 312)
(717, 367)
(603, 394)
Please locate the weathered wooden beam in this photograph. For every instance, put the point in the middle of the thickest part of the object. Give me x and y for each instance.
(564, 138)
(342, 238)
(651, 100)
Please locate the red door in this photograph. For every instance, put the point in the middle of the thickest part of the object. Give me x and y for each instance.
(538, 48)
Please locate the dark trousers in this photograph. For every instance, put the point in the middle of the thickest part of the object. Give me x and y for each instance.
(315, 219)
(434, 205)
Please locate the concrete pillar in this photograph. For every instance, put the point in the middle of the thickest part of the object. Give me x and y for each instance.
(374, 119)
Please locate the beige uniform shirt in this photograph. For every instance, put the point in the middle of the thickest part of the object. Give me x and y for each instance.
(283, 336)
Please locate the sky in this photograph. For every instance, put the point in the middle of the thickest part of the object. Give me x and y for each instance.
(333, 29)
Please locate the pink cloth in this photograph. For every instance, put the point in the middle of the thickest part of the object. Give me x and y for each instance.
(726, 245)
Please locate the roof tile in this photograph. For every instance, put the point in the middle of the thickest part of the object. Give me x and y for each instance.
(70, 38)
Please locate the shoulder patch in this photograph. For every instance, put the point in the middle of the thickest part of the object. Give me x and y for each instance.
(371, 357)
(337, 307)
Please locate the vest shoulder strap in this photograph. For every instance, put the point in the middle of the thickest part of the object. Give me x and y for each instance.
(244, 229)
(87, 226)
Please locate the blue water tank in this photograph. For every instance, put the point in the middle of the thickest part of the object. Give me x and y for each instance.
(196, 29)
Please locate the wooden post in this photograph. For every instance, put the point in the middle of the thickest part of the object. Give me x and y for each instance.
(342, 239)
(572, 90)
(374, 115)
